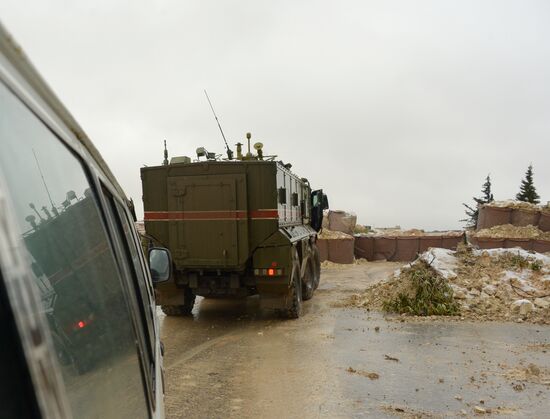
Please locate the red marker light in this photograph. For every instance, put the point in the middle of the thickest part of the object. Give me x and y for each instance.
(81, 324)
(271, 272)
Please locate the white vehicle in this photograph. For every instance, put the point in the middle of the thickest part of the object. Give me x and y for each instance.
(80, 337)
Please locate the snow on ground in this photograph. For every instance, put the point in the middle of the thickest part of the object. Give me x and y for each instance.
(489, 284)
(519, 280)
(443, 261)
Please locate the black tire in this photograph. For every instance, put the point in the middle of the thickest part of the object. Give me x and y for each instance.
(181, 310)
(316, 264)
(294, 309)
(308, 282)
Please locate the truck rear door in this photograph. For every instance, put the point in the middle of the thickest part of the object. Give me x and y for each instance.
(210, 225)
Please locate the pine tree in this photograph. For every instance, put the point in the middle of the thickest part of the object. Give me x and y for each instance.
(473, 213)
(527, 191)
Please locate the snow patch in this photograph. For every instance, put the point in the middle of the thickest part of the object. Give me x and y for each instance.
(518, 280)
(443, 261)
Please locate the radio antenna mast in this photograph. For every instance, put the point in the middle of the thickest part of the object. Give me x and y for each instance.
(43, 180)
(165, 162)
(229, 151)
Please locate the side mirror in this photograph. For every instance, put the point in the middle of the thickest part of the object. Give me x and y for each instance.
(160, 264)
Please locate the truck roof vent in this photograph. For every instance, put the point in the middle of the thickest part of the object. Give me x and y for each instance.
(180, 159)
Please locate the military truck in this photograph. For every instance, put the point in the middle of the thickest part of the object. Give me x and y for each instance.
(234, 227)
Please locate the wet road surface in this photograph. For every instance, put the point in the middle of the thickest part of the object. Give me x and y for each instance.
(233, 359)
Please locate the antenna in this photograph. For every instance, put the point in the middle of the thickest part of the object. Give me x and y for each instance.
(43, 180)
(229, 151)
(165, 162)
(248, 137)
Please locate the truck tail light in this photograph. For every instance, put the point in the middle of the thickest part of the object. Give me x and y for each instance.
(80, 324)
(268, 272)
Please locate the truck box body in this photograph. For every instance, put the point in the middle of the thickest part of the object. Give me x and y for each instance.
(212, 215)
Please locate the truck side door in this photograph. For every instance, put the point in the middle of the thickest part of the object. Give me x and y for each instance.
(319, 202)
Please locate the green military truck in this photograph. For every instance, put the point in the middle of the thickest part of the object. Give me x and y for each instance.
(233, 228)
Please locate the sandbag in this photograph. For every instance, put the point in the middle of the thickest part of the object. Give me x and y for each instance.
(544, 221)
(492, 216)
(429, 241)
(364, 247)
(451, 241)
(522, 217)
(526, 244)
(322, 245)
(488, 242)
(341, 250)
(406, 249)
(541, 246)
(342, 221)
(384, 248)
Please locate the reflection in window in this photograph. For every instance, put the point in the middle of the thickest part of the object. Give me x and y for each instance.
(75, 271)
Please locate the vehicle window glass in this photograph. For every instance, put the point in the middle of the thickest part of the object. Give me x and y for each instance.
(138, 265)
(135, 271)
(70, 255)
(315, 200)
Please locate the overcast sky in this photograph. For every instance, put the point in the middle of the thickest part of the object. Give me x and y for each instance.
(397, 109)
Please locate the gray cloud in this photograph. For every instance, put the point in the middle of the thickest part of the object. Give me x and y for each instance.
(397, 109)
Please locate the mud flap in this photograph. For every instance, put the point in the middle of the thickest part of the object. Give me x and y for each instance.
(169, 294)
(274, 301)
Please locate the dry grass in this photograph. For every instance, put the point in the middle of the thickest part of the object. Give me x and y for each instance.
(429, 294)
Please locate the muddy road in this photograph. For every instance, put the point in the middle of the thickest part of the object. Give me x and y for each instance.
(234, 360)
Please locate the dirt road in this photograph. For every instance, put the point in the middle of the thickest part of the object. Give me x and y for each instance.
(234, 360)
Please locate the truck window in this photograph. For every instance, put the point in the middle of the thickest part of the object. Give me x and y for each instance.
(58, 217)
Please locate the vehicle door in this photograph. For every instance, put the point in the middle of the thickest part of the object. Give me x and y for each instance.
(319, 202)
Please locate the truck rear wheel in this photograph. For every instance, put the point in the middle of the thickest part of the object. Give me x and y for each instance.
(308, 282)
(294, 309)
(184, 309)
(316, 259)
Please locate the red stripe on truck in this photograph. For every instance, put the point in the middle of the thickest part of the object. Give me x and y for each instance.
(210, 215)
(263, 214)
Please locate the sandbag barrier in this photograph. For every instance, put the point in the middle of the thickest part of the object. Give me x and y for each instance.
(493, 216)
(544, 221)
(341, 221)
(537, 245)
(337, 250)
(401, 248)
